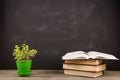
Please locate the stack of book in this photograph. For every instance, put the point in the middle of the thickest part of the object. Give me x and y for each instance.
(85, 64)
(87, 68)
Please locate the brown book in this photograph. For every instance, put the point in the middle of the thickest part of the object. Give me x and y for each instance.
(83, 73)
(94, 68)
(87, 62)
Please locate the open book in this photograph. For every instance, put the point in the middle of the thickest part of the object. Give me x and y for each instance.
(88, 55)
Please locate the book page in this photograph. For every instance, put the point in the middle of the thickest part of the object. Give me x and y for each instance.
(100, 55)
(75, 55)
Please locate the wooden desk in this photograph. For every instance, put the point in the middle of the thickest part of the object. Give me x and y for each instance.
(54, 75)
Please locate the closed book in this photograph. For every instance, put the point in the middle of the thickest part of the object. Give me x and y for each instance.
(83, 73)
(87, 62)
(94, 68)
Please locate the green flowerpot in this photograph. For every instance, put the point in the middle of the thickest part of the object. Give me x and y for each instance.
(24, 67)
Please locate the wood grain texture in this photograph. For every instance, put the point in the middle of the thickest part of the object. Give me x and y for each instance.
(54, 75)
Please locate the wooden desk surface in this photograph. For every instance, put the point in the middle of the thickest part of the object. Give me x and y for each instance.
(54, 75)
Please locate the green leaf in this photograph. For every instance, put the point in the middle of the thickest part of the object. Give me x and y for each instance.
(23, 52)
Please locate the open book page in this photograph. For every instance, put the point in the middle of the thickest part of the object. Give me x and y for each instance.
(75, 55)
(99, 55)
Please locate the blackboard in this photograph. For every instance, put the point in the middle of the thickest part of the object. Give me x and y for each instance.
(55, 27)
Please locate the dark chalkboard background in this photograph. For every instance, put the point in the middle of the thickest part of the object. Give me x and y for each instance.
(55, 27)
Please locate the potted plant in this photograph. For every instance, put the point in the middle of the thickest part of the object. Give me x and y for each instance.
(22, 54)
